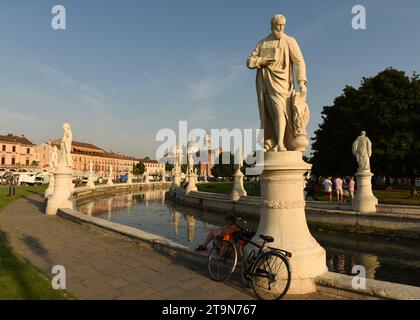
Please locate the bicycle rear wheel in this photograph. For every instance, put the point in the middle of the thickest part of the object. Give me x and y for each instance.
(222, 260)
(271, 276)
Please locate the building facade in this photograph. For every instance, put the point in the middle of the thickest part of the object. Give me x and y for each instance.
(17, 153)
(154, 167)
(83, 153)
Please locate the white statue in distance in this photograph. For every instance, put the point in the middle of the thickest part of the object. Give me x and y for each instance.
(362, 150)
(65, 156)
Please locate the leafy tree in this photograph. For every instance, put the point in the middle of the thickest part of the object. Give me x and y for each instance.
(387, 107)
(138, 168)
(223, 170)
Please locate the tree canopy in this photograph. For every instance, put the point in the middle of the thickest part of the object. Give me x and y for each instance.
(223, 170)
(387, 107)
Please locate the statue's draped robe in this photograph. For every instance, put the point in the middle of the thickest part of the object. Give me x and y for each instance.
(362, 149)
(66, 158)
(275, 82)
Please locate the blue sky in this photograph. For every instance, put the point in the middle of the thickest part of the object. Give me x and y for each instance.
(125, 69)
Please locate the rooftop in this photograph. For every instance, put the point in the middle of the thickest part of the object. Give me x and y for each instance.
(10, 138)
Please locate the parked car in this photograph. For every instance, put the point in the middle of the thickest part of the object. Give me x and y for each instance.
(26, 178)
(95, 178)
(123, 178)
(42, 178)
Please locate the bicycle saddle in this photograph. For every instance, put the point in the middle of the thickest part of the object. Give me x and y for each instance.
(266, 238)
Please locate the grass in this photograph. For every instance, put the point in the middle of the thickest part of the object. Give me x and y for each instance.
(19, 280)
(395, 196)
(252, 187)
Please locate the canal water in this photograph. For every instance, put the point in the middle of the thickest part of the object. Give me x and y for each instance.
(388, 259)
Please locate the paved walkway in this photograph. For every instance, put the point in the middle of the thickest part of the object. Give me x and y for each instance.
(99, 266)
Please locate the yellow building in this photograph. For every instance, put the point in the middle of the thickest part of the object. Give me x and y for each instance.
(154, 167)
(17, 153)
(83, 153)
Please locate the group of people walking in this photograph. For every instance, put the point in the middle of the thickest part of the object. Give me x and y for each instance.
(343, 187)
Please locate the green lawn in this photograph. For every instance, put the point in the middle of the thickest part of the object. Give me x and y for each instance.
(18, 278)
(252, 187)
(396, 196)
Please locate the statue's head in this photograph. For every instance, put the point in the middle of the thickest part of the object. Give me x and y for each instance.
(66, 126)
(363, 133)
(278, 24)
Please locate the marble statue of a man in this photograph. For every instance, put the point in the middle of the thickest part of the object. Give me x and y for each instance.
(66, 159)
(278, 60)
(90, 166)
(362, 150)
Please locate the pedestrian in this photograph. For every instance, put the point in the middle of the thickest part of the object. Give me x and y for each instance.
(351, 188)
(328, 187)
(338, 184)
(12, 185)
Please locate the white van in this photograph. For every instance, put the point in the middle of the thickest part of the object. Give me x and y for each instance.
(26, 178)
(42, 178)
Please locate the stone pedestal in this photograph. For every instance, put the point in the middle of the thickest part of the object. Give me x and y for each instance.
(110, 182)
(283, 218)
(176, 183)
(191, 186)
(90, 183)
(62, 198)
(364, 201)
(238, 190)
(130, 179)
(50, 190)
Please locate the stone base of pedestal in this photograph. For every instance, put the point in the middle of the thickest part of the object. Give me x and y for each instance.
(283, 218)
(176, 182)
(364, 201)
(62, 198)
(191, 186)
(50, 190)
(110, 182)
(90, 184)
(238, 190)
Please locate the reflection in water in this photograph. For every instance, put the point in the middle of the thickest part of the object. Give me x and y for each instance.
(343, 263)
(129, 202)
(89, 208)
(190, 227)
(109, 205)
(176, 215)
(387, 259)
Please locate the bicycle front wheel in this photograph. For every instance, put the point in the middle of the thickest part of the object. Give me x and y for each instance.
(271, 276)
(222, 260)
